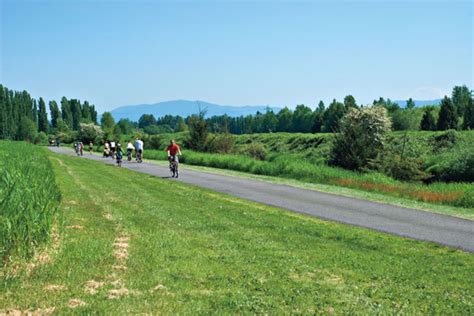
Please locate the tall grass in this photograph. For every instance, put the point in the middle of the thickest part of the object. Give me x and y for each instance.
(29, 199)
(301, 168)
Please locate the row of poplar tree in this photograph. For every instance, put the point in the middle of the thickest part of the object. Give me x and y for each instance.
(22, 117)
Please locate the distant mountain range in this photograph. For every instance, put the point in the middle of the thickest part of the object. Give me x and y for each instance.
(185, 108)
(418, 103)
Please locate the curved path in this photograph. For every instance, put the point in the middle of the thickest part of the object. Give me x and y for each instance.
(446, 230)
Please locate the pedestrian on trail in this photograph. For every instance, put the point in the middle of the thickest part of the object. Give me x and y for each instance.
(91, 147)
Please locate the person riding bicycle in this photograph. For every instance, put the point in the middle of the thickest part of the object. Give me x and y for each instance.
(81, 148)
(130, 149)
(112, 149)
(106, 149)
(139, 149)
(119, 154)
(173, 152)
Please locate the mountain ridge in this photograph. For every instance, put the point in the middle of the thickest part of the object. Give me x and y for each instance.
(185, 108)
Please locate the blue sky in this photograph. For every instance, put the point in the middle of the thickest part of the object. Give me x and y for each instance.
(280, 53)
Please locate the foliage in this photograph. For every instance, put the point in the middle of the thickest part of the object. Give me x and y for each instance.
(90, 133)
(443, 141)
(27, 129)
(453, 165)
(146, 120)
(400, 168)
(153, 142)
(362, 137)
(197, 132)
(29, 199)
(332, 116)
(157, 129)
(41, 139)
(468, 122)
(221, 143)
(447, 115)
(126, 126)
(55, 113)
(42, 116)
(461, 97)
(405, 119)
(255, 150)
(428, 122)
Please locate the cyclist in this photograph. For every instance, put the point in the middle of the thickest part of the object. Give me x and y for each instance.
(130, 149)
(112, 149)
(139, 149)
(106, 149)
(81, 148)
(119, 154)
(76, 148)
(173, 152)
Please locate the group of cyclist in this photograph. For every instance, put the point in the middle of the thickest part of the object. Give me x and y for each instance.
(114, 149)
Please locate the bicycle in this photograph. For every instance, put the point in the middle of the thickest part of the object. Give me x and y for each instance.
(139, 156)
(174, 167)
(119, 160)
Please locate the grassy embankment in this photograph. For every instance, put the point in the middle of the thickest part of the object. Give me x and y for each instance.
(29, 199)
(303, 157)
(135, 243)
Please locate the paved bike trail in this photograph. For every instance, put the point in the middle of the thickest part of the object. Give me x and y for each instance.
(416, 224)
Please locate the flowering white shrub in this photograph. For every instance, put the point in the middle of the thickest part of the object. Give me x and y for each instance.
(362, 136)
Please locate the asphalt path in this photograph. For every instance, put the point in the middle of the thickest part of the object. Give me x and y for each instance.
(411, 223)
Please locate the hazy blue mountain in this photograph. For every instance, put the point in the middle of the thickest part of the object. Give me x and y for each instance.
(418, 103)
(184, 108)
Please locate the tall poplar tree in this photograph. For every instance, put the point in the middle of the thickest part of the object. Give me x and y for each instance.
(66, 112)
(55, 113)
(76, 113)
(42, 116)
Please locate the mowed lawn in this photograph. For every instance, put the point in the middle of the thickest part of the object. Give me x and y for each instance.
(132, 243)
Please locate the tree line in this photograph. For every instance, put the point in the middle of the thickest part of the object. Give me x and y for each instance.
(455, 112)
(23, 117)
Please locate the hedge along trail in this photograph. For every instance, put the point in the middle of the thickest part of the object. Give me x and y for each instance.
(29, 199)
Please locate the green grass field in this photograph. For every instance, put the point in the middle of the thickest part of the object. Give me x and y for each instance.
(132, 243)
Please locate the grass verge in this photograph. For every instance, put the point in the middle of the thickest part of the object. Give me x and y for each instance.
(139, 244)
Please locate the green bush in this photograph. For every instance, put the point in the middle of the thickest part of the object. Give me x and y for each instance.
(401, 168)
(255, 150)
(453, 166)
(221, 143)
(153, 142)
(41, 138)
(29, 199)
(444, 141)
